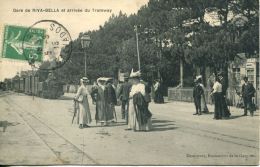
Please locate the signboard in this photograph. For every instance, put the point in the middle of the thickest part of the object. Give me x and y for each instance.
(22, 43)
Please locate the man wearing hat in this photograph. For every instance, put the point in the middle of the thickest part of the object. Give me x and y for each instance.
(248, 92)
(124, 97)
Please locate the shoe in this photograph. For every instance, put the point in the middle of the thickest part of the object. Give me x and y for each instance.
(252, 114)
(86, 126)
(244, 115)
(199, 114)
(128, 129)
(195, 114)
(80, 126)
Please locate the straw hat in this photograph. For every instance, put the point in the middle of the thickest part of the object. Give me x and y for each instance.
(136, 74)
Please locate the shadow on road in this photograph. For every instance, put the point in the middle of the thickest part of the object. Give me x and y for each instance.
(65, 98)
(162, 125)
(5, 124)
(114, 124)
(154, 121)
(163, 129)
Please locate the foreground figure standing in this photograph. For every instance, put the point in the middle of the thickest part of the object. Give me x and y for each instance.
(139, 114)
(83, 115)
(103, 112)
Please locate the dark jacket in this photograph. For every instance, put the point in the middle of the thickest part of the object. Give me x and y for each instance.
(148, 90)
(248, 90)
(110, 94)
(197, 91)
(141, 108)
(124, 91)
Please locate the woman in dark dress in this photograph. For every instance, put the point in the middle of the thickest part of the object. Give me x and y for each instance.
(217, 93)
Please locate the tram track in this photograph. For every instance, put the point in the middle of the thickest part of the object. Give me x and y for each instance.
(65, 151)
(214, 135)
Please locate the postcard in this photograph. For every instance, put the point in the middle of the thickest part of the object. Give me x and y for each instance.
(129, 82)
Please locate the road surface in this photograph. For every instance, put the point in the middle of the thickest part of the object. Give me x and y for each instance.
(39, 132)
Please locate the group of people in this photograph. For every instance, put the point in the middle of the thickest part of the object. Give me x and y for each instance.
(134, 95)
(218, 94)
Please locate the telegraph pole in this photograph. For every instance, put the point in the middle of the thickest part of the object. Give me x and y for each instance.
(137, 47)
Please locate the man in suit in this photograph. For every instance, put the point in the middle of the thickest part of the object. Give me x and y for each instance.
(248, 92)
(124, 97)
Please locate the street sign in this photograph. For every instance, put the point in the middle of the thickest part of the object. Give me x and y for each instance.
(22, 43)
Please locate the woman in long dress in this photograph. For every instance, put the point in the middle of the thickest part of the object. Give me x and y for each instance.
(139, 115)
(83, 115)
(103, 115)
(204, 107)
(217, 93)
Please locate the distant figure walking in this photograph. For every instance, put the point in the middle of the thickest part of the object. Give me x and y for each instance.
(197, 93)
(248, 92)
(158, 94)
(83, 116)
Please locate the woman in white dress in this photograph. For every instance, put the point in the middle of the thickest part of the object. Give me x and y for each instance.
(139, 115)
(83, 115)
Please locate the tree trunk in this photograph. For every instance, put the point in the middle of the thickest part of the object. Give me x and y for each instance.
(181, 72)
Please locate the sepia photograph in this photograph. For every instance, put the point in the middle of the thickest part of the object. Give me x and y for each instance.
(129, 82)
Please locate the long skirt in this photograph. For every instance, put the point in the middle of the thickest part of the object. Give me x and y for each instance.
(158, 97)
(104, 111)
(83, 116)
(133, 122)
(204, 107)
(225, 111)
(218, 105)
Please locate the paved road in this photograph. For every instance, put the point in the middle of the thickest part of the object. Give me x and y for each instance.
(39, 131)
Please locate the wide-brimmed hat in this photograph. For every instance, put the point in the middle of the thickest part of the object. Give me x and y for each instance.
(104, 79)
(136, 74)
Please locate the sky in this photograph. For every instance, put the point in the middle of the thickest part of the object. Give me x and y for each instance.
(15, 12)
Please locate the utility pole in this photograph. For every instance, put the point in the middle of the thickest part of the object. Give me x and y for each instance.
(137, 47)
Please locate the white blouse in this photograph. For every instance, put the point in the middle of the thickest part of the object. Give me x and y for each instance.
(217, 87)
(136, 89)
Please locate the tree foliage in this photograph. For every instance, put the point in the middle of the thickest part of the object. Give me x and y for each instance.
(169, 30)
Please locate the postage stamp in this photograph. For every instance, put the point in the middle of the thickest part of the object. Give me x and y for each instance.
(57, 46)
(46, 44)
(15, 46)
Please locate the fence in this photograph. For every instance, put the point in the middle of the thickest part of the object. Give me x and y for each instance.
(186, 95)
